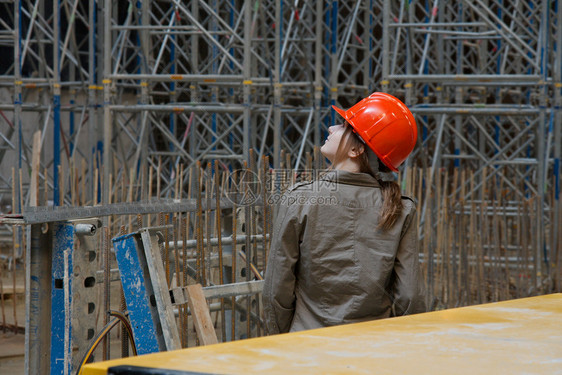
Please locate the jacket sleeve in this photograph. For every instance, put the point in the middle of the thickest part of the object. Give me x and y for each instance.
(407, 287)
(279, 285)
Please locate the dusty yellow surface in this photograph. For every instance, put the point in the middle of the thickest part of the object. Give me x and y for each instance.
(521, 336)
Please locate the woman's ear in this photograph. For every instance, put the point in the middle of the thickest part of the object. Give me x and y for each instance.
(356, 151)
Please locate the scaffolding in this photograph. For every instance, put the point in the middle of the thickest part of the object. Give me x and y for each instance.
(183, 82)
(132, 93)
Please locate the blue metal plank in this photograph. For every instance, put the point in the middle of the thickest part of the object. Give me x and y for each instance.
(137, 297)
(61, 298)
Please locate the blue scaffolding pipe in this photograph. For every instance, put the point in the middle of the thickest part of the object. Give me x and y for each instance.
(61, 297)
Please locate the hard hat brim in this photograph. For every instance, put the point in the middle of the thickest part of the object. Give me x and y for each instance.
(340, 111)
(343, 114)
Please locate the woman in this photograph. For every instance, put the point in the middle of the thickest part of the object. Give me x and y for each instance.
(344, 247)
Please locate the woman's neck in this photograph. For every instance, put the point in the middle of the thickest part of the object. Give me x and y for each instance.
(349, 165)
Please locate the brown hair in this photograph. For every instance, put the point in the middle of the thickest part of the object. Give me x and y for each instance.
(391, 196)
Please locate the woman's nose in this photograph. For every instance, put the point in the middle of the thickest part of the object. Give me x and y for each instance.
(331, 129)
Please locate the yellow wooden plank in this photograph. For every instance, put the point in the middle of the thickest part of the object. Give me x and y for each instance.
(511, 337)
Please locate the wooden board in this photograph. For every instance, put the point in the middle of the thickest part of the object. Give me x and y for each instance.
(201, 315)
(511, 337)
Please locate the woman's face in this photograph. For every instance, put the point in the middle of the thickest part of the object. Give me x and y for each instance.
(330, 146)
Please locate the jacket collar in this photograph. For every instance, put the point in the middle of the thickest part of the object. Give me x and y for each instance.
(350, 178)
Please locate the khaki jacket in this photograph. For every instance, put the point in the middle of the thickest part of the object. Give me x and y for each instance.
(329, 264)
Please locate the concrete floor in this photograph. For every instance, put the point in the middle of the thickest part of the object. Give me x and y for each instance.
(12, 353)
(12, 344)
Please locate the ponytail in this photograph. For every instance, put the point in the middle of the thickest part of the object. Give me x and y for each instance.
(391, 204)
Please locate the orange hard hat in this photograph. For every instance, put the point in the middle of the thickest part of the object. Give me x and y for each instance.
(386, 125)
